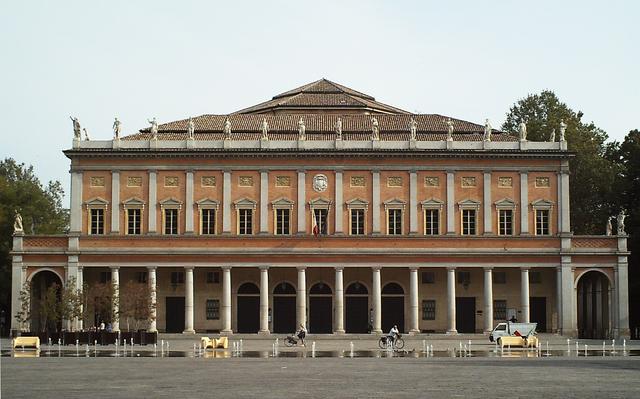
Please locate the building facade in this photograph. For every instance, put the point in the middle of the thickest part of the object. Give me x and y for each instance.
(325, 207)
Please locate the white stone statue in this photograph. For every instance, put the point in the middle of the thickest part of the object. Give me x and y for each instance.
(449, 130)
(302, 130)
(190, 128)
(86, 134)
(227, 129)
(154, 128)
(523, 131)
(375, 129)
(487, 130)
(620, 219)
(413, 127)
(339, 129)
(552, 137)
(609, 228)
(265, 129)
(17, 224)
(76, 127)
(117, 128)
(563, 127)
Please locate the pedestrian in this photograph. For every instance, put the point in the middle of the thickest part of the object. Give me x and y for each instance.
(302, 332)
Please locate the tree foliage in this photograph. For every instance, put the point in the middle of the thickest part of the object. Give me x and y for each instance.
(135, 304)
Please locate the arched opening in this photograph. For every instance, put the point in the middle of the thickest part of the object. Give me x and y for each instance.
(320, 309)
(392, 307)
(357, 308)
(284, 308)
(45, 296)
(248, 308)
(593, 306)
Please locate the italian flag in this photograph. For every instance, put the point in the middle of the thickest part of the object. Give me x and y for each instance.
(314, 224)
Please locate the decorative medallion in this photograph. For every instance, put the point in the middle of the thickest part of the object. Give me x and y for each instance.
(245, 181)
(394, 181)
(97, 181)
(505, 181)
(432, 181)
(134, 181)
(357, 181)
(320, 183)
(468, 181)
(208, 181)
(283, 181)
(542, 182)
(171, 181)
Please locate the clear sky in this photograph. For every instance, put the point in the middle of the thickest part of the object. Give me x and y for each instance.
(172, 59)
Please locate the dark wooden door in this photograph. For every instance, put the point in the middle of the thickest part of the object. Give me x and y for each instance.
(174, 315)
(248, 314)
(466, 314)
(538, 312)
(284, 314)
(357, 314)
(392, 313)
(320, 315)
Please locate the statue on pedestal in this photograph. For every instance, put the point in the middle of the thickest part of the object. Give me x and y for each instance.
(227, 129)
(375, 129)
(563, 128)
(190, 128)
(487, 130)
(339, 129)
(17, 223)
(76, 128)
(153, 128)
(449, 130)
(265, 129)
(86, 134)
(609, 228)
(117, 128)
(523, 131)
(413, 127)
(620, 219)
(552, 137)
(301, 130)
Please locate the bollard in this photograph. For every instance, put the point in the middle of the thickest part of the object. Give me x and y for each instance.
(313, 349)
(351, 348)
(585, 350)
(568, 347)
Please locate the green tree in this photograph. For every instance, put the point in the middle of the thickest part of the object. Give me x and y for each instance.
(592, 171)
(40, 207)
(50, 309)
(135, 304)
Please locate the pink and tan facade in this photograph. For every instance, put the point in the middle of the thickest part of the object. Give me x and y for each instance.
(416, 226)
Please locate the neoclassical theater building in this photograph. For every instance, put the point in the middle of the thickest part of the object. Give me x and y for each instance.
(325, 207)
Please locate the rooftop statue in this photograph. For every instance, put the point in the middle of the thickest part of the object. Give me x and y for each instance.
(609, 228)
(265, 129)
(227, 129)
(375, 129)
(86, 134)
(563, 127)
(190, 128)
(487, 130)
(552, 136)
(17, 224)
(154, 128)
(117, 128)
(339, 129)
(449, 130)
(301, 130)
(413, 127)
(620, 219)
(523, 131)
(76, 128)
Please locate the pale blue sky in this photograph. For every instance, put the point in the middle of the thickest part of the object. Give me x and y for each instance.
(138, 59)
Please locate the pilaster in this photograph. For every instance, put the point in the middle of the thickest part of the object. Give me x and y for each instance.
(226, 204)
(451, 227)
(153, 201)
(413, 202)
(302, 198)
(486, 203)
(339, 203)
(188, 208)
(115, 202)
(264, 200)
(524, 203)
(375, 201)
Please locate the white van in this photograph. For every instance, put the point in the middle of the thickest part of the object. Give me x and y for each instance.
(510, 329)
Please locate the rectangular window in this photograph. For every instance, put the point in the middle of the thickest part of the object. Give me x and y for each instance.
(535, 277)
(177, 278)
(464, 278)
(97, 221)
(208, 221)
(283, 224)
(134, 217)
(428, 309)
(105, 277)
(170, 221)
(499, 309)
(432, 222)
(505, 222)
(542, 222)
(213, 309)
(499, 277)
(142, 277)
(468, 222)
(321, 220)
(357, 222)
(213, 277)
(428, 277)
(245, 221)
(394, 225)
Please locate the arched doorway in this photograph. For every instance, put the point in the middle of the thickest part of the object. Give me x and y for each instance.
(284, 308)
(392, 307)
(593, 306)
(248, 308)
(320, 309)
(356, 308)
(45, 294)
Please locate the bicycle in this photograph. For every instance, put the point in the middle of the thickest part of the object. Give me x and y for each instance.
(290, 340)
(397, 343)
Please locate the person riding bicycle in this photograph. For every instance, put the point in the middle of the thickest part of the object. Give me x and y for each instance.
(393, 334)
(301, 333)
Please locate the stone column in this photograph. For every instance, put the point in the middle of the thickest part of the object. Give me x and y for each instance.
(524, 293)
(226, 207)
(451, 199)
(115, 202)
(566, 227)
(558, 299)
(17, 282)
(567, 297)
(560, 211)
(414, 305)
(413, 202)
(301, 297)
(72, 273)
(339, 301)
(264, 201)
(153, 200)
(377, 301)
(451, 300)
(153, 290)
(264, 300)
(80, 283)
(339, 203)
(488, 299)
(623, 297)
(302, 198)
(524, 203)
(188, 301)
(375, 201)
(226, 300)
(75, 216)
(486, 203)
(115, 281)
(188, 204)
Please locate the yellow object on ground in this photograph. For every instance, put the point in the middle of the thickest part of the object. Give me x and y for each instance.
(525, 342)
(213, 343)
(26, 342)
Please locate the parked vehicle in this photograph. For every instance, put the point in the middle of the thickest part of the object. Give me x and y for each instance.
(397, 343)
(512, 329)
